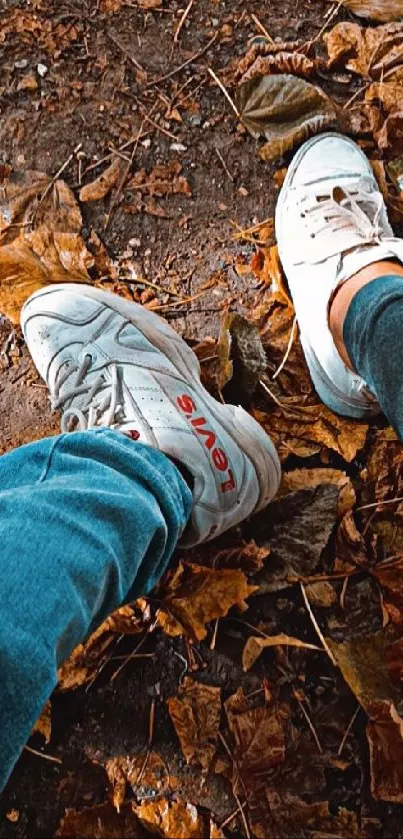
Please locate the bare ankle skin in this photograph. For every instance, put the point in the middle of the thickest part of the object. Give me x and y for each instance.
(345, 294)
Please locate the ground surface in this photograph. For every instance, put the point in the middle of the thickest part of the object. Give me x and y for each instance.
(90, 95)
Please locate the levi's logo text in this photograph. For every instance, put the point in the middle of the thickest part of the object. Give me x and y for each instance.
(209, 438)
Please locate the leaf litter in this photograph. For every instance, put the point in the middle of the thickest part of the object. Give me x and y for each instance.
(335, 526)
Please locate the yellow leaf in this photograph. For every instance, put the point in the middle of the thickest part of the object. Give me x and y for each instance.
(255, 646)
(195, 713)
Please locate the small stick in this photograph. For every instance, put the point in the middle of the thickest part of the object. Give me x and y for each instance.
(185, 63)
(56, 177)
(181, 22)
(349, 727)
(151, 724)
(271, 394)
(154, 124)
(125, 52)
(262, 29)
(225, 167)
(288, 350)
(41, 754)
(380, 503)
(214, 638)
(343, 593)
(317, 627)
(114, 151)
(225, 92)
(356, 95)
(180, 302)
(309, 721)
(324, 27)
(136, 649)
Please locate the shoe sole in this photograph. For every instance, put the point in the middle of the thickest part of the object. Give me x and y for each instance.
(328, 392)
(244, 430)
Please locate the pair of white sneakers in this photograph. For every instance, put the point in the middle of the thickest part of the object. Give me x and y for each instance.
(110, 362)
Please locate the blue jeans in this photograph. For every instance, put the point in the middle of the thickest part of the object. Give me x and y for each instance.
(88, 521)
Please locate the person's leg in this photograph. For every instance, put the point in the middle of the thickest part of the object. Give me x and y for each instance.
(87, 522)
(366, 320)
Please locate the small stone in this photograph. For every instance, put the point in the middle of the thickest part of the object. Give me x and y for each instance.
(178, 147)
(214, 21)
(28, 82)
(21, 160)
(42, 70)
(243, 191)
(22, 64)
(146, 143)
(134, 243)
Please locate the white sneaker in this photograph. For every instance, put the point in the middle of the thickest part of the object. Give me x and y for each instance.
(110, 362)
(331, 221)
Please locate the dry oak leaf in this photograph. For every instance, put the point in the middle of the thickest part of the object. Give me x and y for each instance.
(44, 724)
(285, 110)
(255, 646)
(382, 10)
(176, 820)
(302, 478)
(371, 52)
(140, 774)
(192, 596)
(40, 241)
(259, 742)
(104, 183)
(102, 822)
(196, 713)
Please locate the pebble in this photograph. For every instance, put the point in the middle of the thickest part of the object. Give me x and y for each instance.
(42, 70)
(178, 147)
(146, 143)
(22, 64)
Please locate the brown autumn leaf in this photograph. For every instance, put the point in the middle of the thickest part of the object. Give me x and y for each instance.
(258, 738)
(44, 724)
(195, 713)
(304, 431)
(104, 183)
(321, 594)
(102, 822)
(255, 646)
(382, 489)
(40, 241)
(350, 548)
(302, 478)
(176, 819)
(162, 180)
(390, 576)
(140, 774)
(261, 48)
(292, 63)
(363, 664)
(285, 110)
(372, 52)
(192, 596)
(381, 10)
(292, 816)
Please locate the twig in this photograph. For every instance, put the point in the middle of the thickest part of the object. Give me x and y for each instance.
(55, 178)
(149, 284)
(132, 654)
(343, 593)
(181, 22)
(324, 27)
(115, 151)
(225, 92)
(125, 52)
(41, 754)
(151, 724)
(180, 302)
(288, 350)
(309, 721)
(185, 63)
(240, 806)
(125, 173)
(155, 124)
(214, 638)
(317, 627)
(380, 503)
(262, 29)
(356, 95)
(349, 727)
(225, 167)
(271, 394)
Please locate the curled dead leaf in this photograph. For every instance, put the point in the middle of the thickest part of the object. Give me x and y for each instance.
(195, 713)
(255, 646)
(102, 822)
(192, 596)
(292, 63)
(104, 183)
(302, 478)
(382, 10)
(371, 52)
(141, 772)
(176, 820)
(285, 110)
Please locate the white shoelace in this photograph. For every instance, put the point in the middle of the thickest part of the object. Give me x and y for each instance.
(91, 412)
(345, 209)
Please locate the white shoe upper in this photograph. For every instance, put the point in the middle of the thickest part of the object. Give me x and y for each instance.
(110, 362)
(331, 221)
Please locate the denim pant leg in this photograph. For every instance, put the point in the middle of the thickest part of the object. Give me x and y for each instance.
(87, 521)
(373, 330)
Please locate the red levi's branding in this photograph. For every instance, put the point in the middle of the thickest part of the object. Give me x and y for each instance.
(209, 438)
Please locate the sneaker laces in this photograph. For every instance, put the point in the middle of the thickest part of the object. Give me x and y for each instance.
(359, 208)
(93, 411)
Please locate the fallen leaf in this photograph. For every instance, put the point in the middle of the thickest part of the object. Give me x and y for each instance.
(13, 816)
(176, 820)
(382, 10)
(255, 646)
(321, 594)
(259, 743)
(371, 52)
(162, 180)
(140, 773)
(303, 478)
(40, 239)
(242, 358)
(104, 183)
(102, 822)
(292, 63)
(292, 816)
(192, 596)
(195, 713)
(285, 110)
(385, 740)
(44, 724)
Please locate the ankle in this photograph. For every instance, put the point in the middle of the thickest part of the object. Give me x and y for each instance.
(345, 294)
